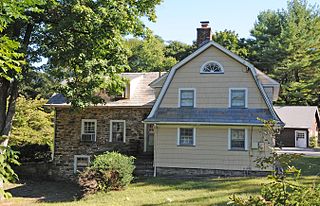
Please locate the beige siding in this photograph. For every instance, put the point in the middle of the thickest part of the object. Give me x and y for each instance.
(211, 150)
(212, 90)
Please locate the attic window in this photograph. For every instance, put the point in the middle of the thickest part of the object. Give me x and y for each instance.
(212, 67)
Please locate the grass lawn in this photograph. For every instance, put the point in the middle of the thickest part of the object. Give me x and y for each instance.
(160, 191)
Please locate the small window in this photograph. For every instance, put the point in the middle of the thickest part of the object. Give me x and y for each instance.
(237, 139)
(88, 130)
(238, 98)
(80, 163)
(187, 98)
(211, 67)
(117, 131)
(186, 136)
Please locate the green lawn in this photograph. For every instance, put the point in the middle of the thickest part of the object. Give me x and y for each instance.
(164, 191)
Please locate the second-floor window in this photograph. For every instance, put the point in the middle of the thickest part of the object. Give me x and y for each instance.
(238, 98)
(117, 131)
(88, 130)
(187, 98)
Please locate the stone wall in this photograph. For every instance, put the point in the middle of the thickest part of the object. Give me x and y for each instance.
(197, 172)
(68, 131)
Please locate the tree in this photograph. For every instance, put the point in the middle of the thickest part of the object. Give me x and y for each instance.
(286, 44)
(230, 40)
(82, 39)
(179, 50)
(31, 123)
(148, 55)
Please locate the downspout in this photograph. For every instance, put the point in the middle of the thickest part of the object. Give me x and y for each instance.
(54, 133)
(250, 149)
(155, 150)
(145, 137)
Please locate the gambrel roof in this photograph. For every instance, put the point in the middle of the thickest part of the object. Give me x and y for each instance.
(155, 112)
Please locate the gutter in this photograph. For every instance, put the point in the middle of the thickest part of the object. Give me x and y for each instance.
(202, 123)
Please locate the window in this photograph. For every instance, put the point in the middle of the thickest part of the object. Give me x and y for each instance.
(238, 98)
(211, 67)
(88, 130)
(187, 98)
(80, 163)
(117, 131)
(237, 139)
(186, 136)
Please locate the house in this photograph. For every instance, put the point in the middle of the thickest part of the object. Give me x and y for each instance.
(198, 119)
(301, 125)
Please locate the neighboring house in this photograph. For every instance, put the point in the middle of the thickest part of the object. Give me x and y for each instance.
(301, 124)
(200, 118)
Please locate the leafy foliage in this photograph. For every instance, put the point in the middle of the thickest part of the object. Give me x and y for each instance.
(231, 41)
(8, 157)
(84, 43)
(284, 188)
(109, 171)
(179, 50)
(32, 124)
(147, 55)
(286, 44)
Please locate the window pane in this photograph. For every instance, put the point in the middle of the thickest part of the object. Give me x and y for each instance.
(117, 131)
(187, 94)
(238, 98)
(186, 136)
(238, 139)
(187, 98)
(89, 127)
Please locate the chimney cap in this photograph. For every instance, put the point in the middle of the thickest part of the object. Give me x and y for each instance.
(204, 24)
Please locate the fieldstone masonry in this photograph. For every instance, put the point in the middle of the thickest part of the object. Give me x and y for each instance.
(68, 131)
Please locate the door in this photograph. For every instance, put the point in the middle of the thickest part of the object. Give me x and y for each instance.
(301, 138)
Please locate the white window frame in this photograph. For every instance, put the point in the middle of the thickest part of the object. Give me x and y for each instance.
(245, 99)
(194, 96)
(245, 139)
(95, 128)
(124, 128)
(194, 136)
(209, 62)
(75, 161)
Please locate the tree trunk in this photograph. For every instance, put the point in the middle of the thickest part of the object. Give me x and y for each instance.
(11, 107)
(4, 88)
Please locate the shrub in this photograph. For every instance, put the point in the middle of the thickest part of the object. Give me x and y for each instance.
(109, 171)
(313, 141)
(8, 157)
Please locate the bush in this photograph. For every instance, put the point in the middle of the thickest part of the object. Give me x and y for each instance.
(313, 141)
(109, 171)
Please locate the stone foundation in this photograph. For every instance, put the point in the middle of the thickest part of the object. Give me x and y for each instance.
(196, 172)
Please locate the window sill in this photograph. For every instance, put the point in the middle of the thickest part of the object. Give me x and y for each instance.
(237, 150)
(184, 145)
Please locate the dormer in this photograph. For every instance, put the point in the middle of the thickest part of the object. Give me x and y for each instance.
(270, 85)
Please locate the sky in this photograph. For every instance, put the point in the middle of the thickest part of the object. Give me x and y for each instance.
(178, 19)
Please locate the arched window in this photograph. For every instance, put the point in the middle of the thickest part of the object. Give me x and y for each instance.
(211, 67)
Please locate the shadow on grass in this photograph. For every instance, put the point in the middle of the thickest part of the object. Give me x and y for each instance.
(47, 191)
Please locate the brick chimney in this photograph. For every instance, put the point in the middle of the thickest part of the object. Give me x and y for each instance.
(204, 33)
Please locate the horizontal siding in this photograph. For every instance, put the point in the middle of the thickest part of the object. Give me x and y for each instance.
(212, 90)
(211, 150)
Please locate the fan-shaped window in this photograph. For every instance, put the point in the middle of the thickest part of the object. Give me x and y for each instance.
(211, 67)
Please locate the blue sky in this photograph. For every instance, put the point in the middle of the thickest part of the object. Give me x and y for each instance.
(178, 19)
